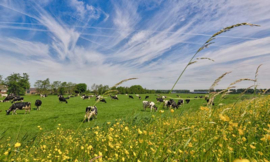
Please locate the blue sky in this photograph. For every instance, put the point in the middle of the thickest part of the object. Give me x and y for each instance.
(103, 42)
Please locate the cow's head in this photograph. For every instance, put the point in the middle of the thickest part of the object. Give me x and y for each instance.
(8, 111)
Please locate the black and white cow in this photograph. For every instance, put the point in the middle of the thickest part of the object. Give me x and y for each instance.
(159, 99)
(114, 97)
(90, 112)
(140, 97)
(9, 98)
(103, 100)
(19, 106)
(180, 102)
(172, 104)
(38, 104)
(146, 97)
(149, 104)
(130, 96)
(17, 99)
(86, 97)
(187, 101)
(62, 99)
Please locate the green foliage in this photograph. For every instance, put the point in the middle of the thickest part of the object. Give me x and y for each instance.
(55, 86)
(81, 87)
(61, 90)
(17, 84)
(43, 86)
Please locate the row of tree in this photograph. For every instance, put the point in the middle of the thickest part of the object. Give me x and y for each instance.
(58, 87)
(18, 84)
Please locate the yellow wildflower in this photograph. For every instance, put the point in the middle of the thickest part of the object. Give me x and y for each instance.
(241, 132)
(6, 153)
(17, 144)
(139, 131)
(161, 111)
(172, 110)
(224, 117)
(253, 147)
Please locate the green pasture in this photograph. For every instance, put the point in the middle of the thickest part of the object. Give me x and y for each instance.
(71, 115)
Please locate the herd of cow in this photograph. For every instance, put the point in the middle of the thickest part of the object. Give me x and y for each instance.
(19, 104)
(91, 111)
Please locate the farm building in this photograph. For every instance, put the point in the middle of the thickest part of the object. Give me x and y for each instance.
(31, 91)
(3, 89)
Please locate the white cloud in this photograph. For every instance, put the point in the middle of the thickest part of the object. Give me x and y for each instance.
(154, 47)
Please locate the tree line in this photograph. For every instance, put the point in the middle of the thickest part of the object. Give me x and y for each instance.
(18, 84)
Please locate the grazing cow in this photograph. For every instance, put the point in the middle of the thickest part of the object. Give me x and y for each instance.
(38, 104)
(201, 96)
(8, 98)
(140, 97)
(149, 104)
(195, 97)
(159, 99)
(62, 99)
(137, 95)
(17, 99)
(178, 96)
(19, 106)
(103, 100)
(180, 102)
(163, 97)
(90, 111)
(126, 94)
(86, 97)
(187, 101)
(114, 97)
(165, 102)
(41, 95)
(172, 104)
(146, 97)
(130, 96)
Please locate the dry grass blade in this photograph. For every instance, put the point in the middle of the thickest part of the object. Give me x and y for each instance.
(203, 58)
(192, 63)
(95, 158)
(265, 91)
(123, 82)
(240, 80)
(110, 91)
(256, 74)
(207, 43)
(218, 79)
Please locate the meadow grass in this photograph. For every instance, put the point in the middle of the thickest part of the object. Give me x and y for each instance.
(124, 132)
(72, 114)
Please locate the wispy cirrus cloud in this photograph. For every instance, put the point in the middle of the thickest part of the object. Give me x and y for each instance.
(96, 42)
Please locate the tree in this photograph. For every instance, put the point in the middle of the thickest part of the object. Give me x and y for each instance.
(55, 86)
(43, 86)
(71, 87)
(81, 87)
(17, 84)
(61, 90)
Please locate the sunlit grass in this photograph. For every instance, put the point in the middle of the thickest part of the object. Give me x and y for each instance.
(206, 134)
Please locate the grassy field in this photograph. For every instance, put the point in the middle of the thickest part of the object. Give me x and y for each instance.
(237, 131)
(71, 115)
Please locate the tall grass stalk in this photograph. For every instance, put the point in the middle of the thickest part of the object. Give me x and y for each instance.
(207, 44)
